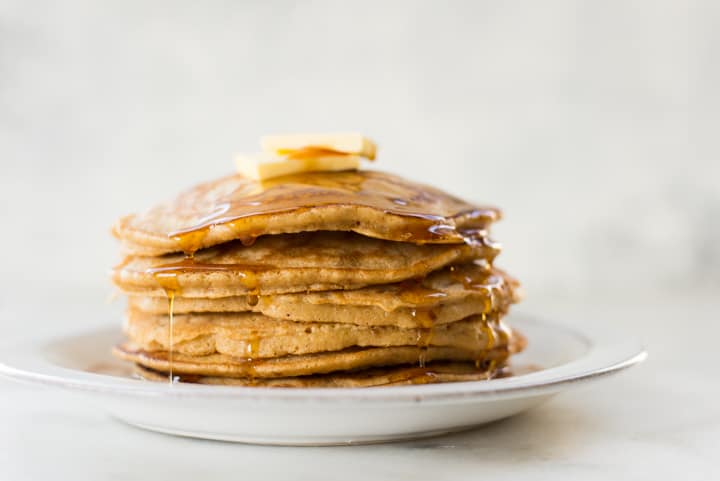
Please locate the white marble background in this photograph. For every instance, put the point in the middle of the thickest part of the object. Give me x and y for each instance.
(593, 124)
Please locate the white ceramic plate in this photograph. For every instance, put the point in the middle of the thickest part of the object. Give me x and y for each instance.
(320, 416)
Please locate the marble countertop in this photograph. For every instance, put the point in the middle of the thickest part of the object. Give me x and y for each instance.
(660, 420)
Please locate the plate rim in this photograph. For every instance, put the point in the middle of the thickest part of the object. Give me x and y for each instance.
(605, 356)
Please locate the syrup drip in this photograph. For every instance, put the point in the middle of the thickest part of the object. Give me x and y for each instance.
(247, 241)
(252, 351)
(497, 336)
(414, 292)
(424, 338)
(479, 280)
(190, 242)
(171, 333)
(491, 366)
(479, 238)
(169, 282)
(253, 298)
(253, 346)
(490, 335)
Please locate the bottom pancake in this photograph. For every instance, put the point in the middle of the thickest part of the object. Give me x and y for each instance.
(308, 364)
(383, 376)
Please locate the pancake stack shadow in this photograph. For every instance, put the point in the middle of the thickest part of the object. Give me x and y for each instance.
(315, 281)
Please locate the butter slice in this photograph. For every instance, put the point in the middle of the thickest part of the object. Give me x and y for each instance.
(266, 165)
(346, 143)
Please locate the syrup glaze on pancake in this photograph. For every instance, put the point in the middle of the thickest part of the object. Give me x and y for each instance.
(371, 203)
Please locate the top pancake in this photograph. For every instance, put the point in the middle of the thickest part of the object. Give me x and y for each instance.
(371, 203)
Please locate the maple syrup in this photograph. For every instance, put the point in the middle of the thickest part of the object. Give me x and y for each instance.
(480, 278)
(190, 242)
(169, 282)
(253, 298)
(171, 333)
(252, 352)
(424, 300)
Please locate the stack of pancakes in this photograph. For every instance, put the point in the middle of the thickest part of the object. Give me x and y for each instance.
(355, 278)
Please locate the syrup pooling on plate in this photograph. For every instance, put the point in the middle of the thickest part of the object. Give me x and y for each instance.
(430, 215)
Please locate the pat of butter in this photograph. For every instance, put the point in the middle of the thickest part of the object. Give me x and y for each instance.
(267, 165)
(345, 143)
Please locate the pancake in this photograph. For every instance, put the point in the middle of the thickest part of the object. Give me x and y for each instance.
(307, 364)
(437, 372)
(256, 336)
(319, 279)
(374, 204)
(447, 295)
(309, 261)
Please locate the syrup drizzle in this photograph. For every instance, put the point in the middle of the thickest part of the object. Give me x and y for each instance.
(252, 353)
(424, 300)
(171, 334)
(169, 282)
